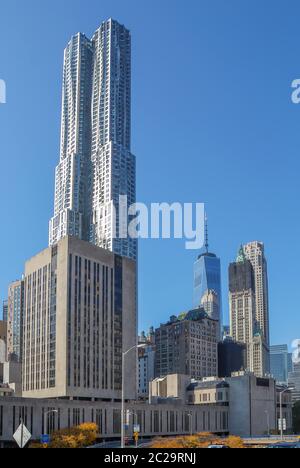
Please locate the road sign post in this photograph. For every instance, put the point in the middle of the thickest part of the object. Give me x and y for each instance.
(282, 426)
(22, 435)
(45, 439)
(136, 434)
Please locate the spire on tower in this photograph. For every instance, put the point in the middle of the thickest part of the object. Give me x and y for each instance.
(206, 233)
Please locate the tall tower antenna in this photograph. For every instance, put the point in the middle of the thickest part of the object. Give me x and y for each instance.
(206, 233)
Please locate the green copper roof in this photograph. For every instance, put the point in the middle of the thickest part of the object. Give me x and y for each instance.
(241, 258)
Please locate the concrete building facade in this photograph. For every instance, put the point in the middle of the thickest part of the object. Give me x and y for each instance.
(251, 402)
(80, 315)
(155, 420)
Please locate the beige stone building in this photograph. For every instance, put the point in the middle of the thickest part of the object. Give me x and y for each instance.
(244, 324)
(15, 310)
(79, 316)
(255, 253)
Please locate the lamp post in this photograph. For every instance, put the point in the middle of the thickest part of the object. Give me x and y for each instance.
(190, 415)
(140, 346)
(281, 409)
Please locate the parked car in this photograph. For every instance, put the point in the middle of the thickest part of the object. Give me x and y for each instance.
(218, 447)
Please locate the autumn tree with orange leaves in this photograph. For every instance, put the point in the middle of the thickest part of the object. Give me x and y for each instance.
(202, 440)
(77, 437)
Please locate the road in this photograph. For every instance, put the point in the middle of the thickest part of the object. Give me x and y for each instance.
(114, 445)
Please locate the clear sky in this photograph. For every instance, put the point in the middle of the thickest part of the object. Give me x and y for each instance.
(213, 122)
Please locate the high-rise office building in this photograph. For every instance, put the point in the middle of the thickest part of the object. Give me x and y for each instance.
(15, 320)
(96, 164)
(79, 317)
(187, 345)
(255, 253)
(207, 279)
(281, 363)
(244, 327)
(242, 302)
(4, 311)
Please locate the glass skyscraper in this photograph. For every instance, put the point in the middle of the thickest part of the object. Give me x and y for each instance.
(281, 363)
(207, 277)
(96, 164)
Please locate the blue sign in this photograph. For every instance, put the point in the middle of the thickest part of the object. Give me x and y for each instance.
(45, 439)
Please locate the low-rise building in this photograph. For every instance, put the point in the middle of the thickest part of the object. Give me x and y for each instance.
(166, 419)
(252, 402)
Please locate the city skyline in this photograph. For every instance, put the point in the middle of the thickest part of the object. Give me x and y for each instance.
(177, 276)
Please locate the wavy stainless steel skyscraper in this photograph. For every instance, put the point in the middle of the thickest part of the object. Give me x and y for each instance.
(97, 166)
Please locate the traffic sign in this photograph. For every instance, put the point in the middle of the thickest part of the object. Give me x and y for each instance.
(282, 424)
(45, 439)
(22, 436)
(137, 429)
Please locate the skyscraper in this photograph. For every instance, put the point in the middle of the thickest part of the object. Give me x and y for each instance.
(242, 303)
(281, 363)
(255, 253)
(96, 166)
(207, 277)
(244, 326)
(73, 174)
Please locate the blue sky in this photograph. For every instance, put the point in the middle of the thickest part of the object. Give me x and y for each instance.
(213, 122)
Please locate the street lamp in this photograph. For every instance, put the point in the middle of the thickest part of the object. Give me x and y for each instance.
(46, 419)
(190, 415)
(281, 409)
(140, 346)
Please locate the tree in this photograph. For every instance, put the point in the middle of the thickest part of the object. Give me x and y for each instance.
(77, 437)
(202, 440)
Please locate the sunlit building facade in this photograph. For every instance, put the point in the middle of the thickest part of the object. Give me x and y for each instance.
(96, 164)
